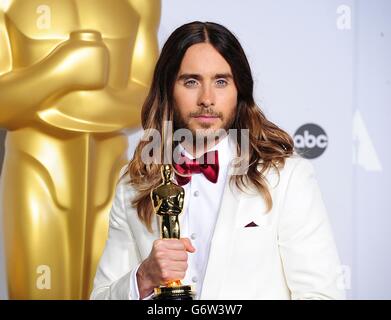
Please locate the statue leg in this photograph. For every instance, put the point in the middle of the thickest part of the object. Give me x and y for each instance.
(108, 154)
(43, 236)
(170, 227)
(174, 223)
(35, 233)
(165, 232)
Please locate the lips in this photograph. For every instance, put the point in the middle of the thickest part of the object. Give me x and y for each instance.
(206, 117)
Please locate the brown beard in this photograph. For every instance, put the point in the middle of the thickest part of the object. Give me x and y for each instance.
(204, 139)
(180, 122)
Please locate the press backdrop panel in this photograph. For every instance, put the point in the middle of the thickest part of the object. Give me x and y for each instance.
(322, 72)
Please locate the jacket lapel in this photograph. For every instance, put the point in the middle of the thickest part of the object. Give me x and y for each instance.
(221, 242)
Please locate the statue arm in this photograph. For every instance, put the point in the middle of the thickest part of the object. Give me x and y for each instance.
(16, 87)
(181, 200)
(24, 91)
(156, 202)
(117, 109)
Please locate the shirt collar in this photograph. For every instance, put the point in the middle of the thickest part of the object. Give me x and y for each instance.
(225, 148)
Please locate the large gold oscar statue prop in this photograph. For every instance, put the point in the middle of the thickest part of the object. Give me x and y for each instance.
(73, 77)
(167, 201)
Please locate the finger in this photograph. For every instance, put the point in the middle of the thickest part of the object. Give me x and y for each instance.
(188, 245)
(174, 244)
(176, 255)
(169, 244)
(180, 266)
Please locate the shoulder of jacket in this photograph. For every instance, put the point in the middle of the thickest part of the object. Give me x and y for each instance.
(294, 166)
(296, 162)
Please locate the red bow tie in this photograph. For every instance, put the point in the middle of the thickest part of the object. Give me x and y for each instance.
(208, 164)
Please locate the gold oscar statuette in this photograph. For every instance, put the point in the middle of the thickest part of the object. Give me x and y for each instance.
(73, 77)
(167, 200)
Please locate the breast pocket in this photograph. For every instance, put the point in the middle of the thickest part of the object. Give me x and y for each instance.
(254, 238)
(253, 221)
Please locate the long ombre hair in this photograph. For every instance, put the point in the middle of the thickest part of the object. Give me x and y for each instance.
(269, 145)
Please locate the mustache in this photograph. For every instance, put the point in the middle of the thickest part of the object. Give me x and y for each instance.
(210, 113)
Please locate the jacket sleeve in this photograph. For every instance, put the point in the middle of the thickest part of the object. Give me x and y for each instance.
(115, 276)
(308, 252)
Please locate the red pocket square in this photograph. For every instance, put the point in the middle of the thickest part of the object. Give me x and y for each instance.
(251, 224)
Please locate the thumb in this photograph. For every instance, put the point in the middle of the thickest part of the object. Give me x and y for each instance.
(188, 246)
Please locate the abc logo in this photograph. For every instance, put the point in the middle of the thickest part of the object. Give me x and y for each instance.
(310, 141)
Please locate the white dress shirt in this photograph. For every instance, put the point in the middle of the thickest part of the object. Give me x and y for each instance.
(197, 222)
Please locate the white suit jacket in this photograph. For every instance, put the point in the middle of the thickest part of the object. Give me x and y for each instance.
(290, 254)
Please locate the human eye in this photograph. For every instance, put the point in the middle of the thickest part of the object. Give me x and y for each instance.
(190, 83)
(221, 83)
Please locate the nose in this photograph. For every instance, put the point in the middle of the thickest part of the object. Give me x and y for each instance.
(206, 98)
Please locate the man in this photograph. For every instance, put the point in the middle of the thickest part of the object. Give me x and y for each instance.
(258, 234)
